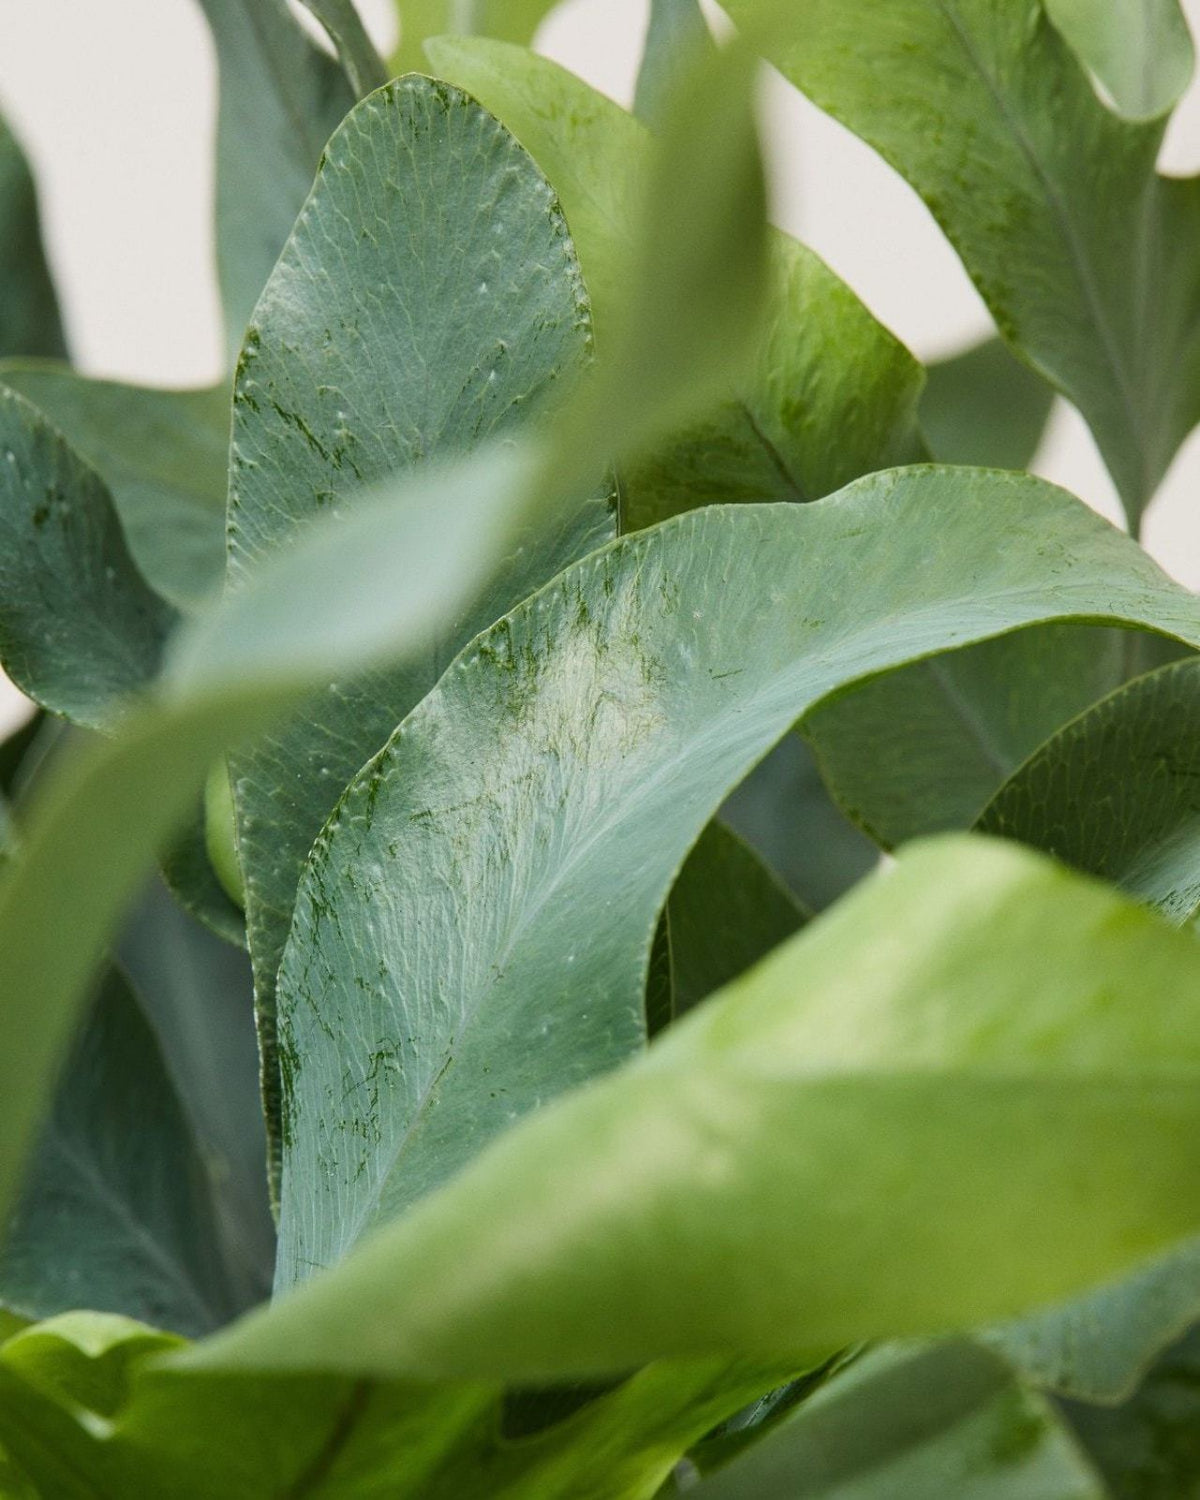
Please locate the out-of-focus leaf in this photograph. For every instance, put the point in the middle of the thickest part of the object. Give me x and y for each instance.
(1148, 1448)
(924, 749)
(336, 603)
(280, 98)
(117, 1212)
(79, 627)
(1139, 51)
(948, 1420)
(1114, 793)
(357, 53)
(14, 749)
(508, 20)
(197, 992)
(163, 456)
(984, 406)
(29, 317)
(188, 872)
(676, 31)
(448, 967)
(969, 1088)
(1117, 791)
(352, 370)
(726, 911)
(329, 1435)
(1085, 256)
(831, 394)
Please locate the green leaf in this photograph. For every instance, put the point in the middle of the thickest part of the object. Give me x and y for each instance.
(508, 20)
(335, 603)
(354, 1439)
(1098, 1346)
(1115, 792)
(355, 49)
(280, 98)
(676, 31)
(352, 370)
(1086, 258)
(447, 919)
(79, 628)
(942, 1421)
(29, 317)
(984, 406)
(784, 812)
(117, 1212)
(163, 456)
(194, 883)
(196, 991)
(831, 394)
(924, 749)
(726, 910)
(1139, 51)
(1148, 1448)
(976, 1076)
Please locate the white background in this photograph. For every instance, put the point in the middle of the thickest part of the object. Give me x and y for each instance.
(115, 103)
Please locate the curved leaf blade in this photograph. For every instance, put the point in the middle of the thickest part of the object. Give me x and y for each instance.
(1084, 255)
(163, 456)
(79, 627)
(29, 316)
(969, 1088)
(447, 969)
(353, 371)
(1139, 51)
(985, 407)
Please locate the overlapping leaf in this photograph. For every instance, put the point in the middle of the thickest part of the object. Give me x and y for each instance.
(163, 456)
(428, 300)
(79, 627)
(29, 316)
(976, 1077)
(1139, 51)
(1086, 257)
(946, 1420)
(581, 745)
(117, 1210)
(508, 20)
(831, 394)
(280, 98)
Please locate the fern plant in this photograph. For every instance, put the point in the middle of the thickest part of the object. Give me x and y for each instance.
(461, 1038)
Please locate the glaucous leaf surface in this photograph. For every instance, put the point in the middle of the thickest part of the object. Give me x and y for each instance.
(164, 457)
(676, 30)
(280, 98)
(197, 992)
(985, 407)
(1086, 257)
(116, 1211)
(976, 1075)
(79, 627)
(1148, 1447)
(29, 317)
(726, 911)
(448, 968)
(785, 813)
(830, 395)
(356, 52)
(1139, 51)
(509, 20)
(427, 301)
(1114, 793)
(925, 749)
(1117, 791)
(331, 1436)
(1098, 1346)
(947, 1420)
(337, 602)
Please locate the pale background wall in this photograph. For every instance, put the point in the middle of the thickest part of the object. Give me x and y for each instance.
(114, 100)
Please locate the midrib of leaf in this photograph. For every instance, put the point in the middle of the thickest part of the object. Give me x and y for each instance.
(317, 1470)
(1080, 263)
(135, 1229)
(774, 457)
(977, 726)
